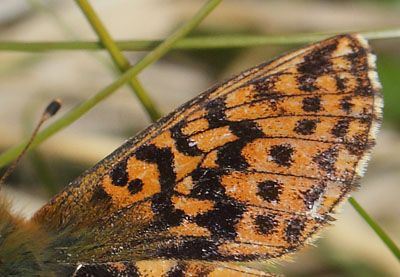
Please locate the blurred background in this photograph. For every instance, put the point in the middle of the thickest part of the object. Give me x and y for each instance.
(29, 81)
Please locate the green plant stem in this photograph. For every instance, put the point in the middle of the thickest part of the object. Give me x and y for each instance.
(206, 42)
(118, 58)
(378, 230)
(81, 109)
(55, 20)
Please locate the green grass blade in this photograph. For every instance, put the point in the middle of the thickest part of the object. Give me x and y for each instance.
(118, 58)
(378, 230)
(206, 42)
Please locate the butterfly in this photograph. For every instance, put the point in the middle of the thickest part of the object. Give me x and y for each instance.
(250, 170)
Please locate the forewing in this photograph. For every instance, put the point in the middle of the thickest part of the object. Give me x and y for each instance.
(250, 169)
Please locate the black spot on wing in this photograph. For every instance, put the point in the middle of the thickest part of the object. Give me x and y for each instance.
(162, 205)
(346, 105)
(327, 159)
(311, 104)
(316, 62)
(230, 155)
(340, 128)
(366, 117)
(340, 82)
(118, 174)
(263, 86)
(359, 144)
(364, 87)
(100, 194)
(269, 190)
(246, 130)
(306, 126)
(314, 66)
(265, 224)
(221, 220)
(293, 230)
(200, 248)
(282, 154)
(357, 59)
(216, 113)
(207, 184)
(135, 186)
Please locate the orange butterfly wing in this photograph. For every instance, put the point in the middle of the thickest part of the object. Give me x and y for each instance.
(251, 169)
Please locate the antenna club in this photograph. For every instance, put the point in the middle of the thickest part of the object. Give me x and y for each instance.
(53, 107)
(50, 110)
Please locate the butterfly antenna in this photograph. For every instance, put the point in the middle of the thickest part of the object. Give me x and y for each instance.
(50, 110)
